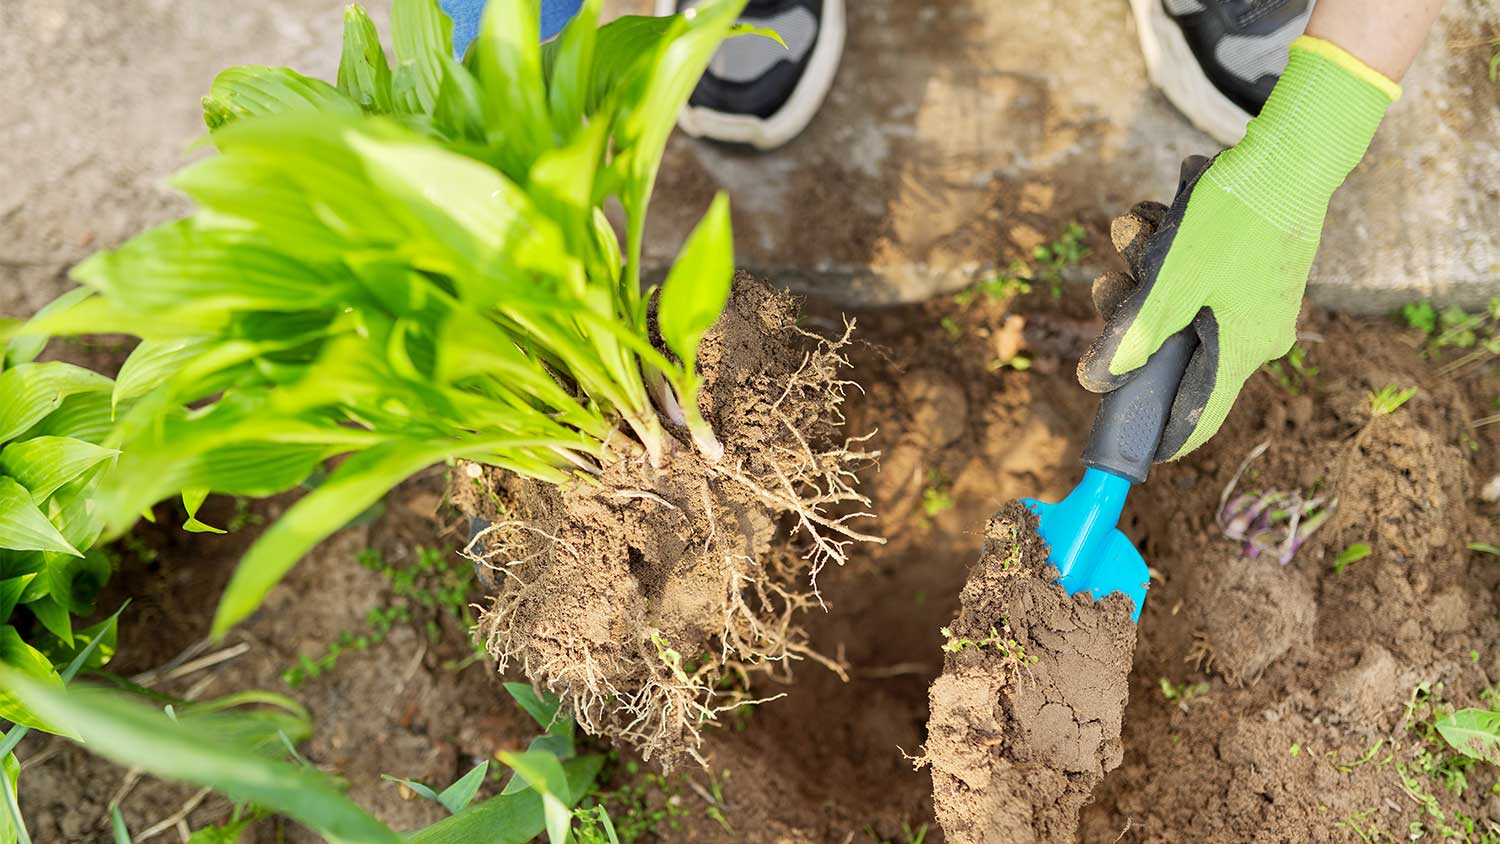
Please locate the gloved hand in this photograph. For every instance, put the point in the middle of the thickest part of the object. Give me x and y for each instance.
(1232, 253)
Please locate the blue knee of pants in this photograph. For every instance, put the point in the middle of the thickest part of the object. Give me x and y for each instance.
(466, 14)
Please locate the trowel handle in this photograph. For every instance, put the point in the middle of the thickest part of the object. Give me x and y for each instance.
(1130, 421)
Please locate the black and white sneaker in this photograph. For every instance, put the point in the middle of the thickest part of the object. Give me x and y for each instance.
(1217, 60)
(755, 91)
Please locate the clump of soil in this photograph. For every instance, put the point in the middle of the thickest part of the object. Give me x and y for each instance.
(1025, 718)
(647, 597)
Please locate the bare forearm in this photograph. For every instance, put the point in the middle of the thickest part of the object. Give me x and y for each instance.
(1384, 34)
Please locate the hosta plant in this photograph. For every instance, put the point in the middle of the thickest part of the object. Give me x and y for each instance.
(53, 419)
(413, 266)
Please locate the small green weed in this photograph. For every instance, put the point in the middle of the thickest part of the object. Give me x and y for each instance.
(1434, 757)
(999, 287)
(640, 808)
(1389, 399)
(1485, 548)
(1353, 554)
(951, 328)
(1182, 694)
(936, 498)
(1293, 372)
(1055, 259)
(1009, 649)
(1019, 363)
(434, 585)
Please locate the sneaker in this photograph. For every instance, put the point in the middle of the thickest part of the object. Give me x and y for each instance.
(1217, 60)
(757, 92)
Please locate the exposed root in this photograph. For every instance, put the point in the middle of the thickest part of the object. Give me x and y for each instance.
(652, 598)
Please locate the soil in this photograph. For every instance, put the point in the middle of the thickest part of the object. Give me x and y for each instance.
(1025, 719)
(1267, 703)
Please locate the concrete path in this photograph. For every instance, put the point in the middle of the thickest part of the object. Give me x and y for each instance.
(960, 134)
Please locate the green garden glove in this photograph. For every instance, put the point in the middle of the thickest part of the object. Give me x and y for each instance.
(1231, 255)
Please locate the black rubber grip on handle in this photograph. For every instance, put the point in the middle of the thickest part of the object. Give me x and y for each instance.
(1130, 421)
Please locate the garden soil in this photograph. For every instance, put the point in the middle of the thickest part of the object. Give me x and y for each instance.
(1266, 703)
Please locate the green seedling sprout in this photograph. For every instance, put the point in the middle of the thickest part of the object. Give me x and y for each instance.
(1182, 694)
(1054, 259)
(1389, 399)
(1293, 372)
(1353, 554)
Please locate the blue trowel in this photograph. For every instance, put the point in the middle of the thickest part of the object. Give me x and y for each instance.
(1085, 545)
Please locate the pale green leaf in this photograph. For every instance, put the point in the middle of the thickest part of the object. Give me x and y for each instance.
(508, 62)
(86, 416)
(187, 269)
(133, 735)
(30, 391)
(75, 582)
(23, 658)
(192, 499)
(426, 792)
(152, 363)
(257, 90)
(24, 348)
(697, 286)
(363, 75)
(544, 773)
(570, 69)
(23, 527)
(1473, 732)
(43, 464)
(423, 38)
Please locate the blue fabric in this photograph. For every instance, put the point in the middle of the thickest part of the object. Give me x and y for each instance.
(466, 14)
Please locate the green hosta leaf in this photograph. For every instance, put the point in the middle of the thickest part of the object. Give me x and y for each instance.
(569, 66)
(54, 617)
(358, 483)
(509, 818)
(364, 76)
(42, 464)
(508, 61)
(192, 499)
(86, 416)
(459, 108)
(697, 287)
(423, 38)
(30, 391)
(196, 753)
(25, 659)
(251, 193)
(96, 643)
(23, 527)
(152, 363)
(25, 347)
(188, 269)
(10, 593)
(546, 777)
(1473, 732)
(257, 90)
(77, 581)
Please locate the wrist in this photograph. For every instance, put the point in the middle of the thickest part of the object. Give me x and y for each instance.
(1312, 132)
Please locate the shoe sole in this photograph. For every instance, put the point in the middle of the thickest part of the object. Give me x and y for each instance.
(1175, 70)
(768, 133)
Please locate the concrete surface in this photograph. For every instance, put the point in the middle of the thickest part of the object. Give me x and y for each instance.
(960, 134)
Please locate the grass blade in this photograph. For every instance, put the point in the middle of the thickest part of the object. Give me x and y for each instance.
(131, 734)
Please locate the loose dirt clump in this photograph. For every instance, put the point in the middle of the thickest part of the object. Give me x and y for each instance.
(1025, 718)
(647, 596)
